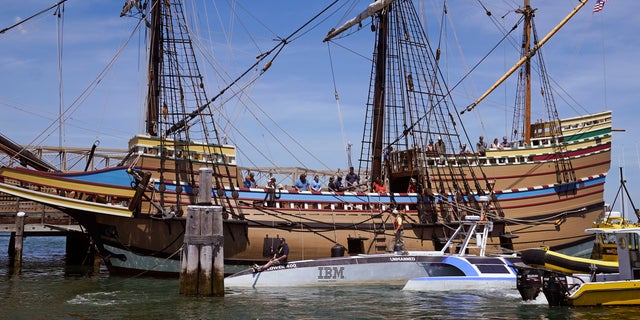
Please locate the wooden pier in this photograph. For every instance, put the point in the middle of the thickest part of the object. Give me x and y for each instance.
(36, 220)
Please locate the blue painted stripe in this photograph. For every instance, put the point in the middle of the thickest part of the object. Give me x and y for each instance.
(120, 177)
(115, 177)
(546, 191)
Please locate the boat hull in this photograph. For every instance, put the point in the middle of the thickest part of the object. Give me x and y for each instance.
(394, 269)
(612, 293)
(478, 273)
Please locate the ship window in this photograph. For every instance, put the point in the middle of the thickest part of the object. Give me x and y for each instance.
(492, 268)
(608, 238)
(442, 270)
(633, 242)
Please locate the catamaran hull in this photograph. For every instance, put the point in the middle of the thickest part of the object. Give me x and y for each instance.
(479, 273)
(369, 269)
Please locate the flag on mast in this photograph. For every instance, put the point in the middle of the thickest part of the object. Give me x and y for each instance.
(599, 5)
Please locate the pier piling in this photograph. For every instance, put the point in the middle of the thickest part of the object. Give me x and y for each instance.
(15, 243)
(202, 265)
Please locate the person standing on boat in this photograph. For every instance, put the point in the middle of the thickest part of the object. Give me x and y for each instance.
(397, 230)
(440, 146)
(378, 186)
(505, 143)
(441, 150)
(247, 182)
(496, 144)
(352, 179)
(481, 146)
(316, 185)
(387, 158)
(279, 258)
(412, 188)
(270, 197)
(339, 186)
(463, 149)
(250, 181)
(302, 184)
(332, 184)
(253, 180)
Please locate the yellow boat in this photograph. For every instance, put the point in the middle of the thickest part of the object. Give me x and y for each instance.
(601, 289)
(604, 255)
(609, 293)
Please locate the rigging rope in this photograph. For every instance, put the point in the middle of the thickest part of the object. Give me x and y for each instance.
(335, 92)
(59, 13)
(31, 17)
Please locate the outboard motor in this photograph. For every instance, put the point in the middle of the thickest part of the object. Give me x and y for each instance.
(529, 282)
(554, 286)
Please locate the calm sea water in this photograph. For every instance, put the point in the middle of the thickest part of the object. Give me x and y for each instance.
(47, 289)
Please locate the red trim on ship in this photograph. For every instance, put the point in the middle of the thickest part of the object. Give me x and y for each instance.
(575, 153)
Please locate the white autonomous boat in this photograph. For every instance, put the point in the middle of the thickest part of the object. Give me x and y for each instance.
(442, 267)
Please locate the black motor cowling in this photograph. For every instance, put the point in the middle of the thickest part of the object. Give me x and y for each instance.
(555, 288)
(529, 282)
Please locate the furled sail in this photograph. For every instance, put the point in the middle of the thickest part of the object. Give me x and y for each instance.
(371, 9)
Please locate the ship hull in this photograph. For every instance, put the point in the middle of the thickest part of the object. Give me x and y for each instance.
(537, 210)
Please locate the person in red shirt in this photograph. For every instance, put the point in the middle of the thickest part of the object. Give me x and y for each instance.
(378, 186)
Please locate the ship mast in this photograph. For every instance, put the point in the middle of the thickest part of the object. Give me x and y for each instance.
(155, 60)
(381, 9)
(528, 13)
(526, 58)
(379, 96)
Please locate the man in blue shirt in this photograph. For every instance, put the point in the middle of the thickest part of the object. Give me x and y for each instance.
(302, 184)
(338, 185)
(316, 185)
(352, 179)
(247, 182)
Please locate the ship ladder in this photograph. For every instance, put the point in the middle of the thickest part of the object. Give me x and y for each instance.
(379, 242)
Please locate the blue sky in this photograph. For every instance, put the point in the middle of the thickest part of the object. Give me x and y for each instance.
(594, 59)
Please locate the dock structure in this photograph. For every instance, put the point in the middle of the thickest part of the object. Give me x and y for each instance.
(79, 247)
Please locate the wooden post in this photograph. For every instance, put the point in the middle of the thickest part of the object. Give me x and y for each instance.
(18, 239)
(203, 239)
(218, 253)
(205, 181)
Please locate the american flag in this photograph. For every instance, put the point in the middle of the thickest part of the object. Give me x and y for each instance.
(599, 5)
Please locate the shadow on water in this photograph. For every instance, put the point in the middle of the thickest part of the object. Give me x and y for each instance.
(43, 256)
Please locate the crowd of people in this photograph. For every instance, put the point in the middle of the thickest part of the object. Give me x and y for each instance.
(351, 181)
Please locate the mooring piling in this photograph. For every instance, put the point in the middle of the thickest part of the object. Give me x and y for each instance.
(202, 264)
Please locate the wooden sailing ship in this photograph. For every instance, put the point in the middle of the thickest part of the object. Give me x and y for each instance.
(545, 189)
